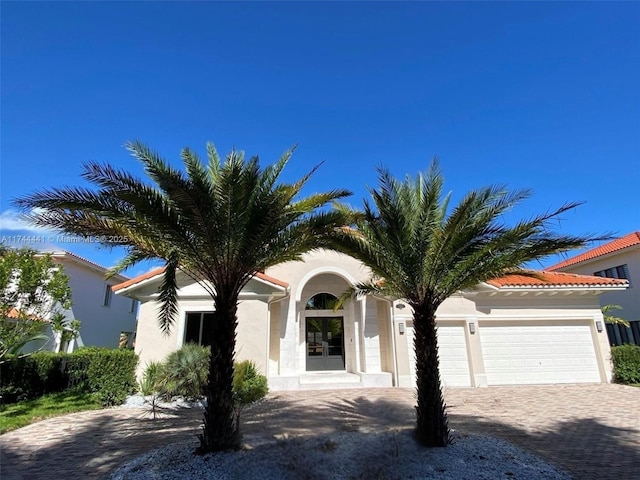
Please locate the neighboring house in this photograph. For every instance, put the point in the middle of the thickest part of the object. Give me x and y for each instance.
(103, 316)
(619, 258)
(512, 330)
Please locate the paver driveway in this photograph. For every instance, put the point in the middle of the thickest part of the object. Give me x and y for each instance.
(592, 431)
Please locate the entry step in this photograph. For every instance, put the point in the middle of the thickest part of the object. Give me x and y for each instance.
(328, 378)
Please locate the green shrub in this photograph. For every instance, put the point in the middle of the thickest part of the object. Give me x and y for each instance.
(626, 363)
(151, 379)
(248, 385)
(24, 378)
(184, 372)
(109, 373)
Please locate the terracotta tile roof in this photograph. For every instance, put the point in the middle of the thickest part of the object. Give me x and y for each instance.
(555, 279)
(15, 313)
(138, 279)
(621, 243)
(275, 281)
(158, 271)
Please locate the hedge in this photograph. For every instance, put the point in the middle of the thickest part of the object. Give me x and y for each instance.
(108, 373)
(626, 363)
(32, 376)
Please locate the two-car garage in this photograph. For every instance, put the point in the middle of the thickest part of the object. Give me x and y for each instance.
(536, 354)
(515, 352)
(518, 329)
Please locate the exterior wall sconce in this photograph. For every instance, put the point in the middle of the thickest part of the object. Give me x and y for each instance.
(400, 306)
(599, 326)
(472, 328)
(401, 328)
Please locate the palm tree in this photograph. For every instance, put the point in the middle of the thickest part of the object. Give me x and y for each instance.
(612, 319)
(219, 223)
(422, 251)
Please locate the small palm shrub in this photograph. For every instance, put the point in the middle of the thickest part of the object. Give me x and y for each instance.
(249, 386)
(151, 378)
(184, 372)
(626, 363)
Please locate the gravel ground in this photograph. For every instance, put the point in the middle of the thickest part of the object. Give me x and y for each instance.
(138, 401)
(388, 455)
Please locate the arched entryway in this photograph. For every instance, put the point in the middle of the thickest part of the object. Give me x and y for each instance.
(324, 334)
(313, 346)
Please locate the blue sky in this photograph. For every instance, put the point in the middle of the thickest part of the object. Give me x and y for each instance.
(532, 95)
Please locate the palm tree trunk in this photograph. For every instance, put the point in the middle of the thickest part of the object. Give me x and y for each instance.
(220, 430)
(432, 429)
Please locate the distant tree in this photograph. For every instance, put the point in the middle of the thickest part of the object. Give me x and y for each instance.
(16, 334)
(33, 290)
(423, 251)
(65, 330)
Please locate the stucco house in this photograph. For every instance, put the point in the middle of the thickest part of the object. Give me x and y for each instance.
(512, 330)
(619, 258)
(103, 315)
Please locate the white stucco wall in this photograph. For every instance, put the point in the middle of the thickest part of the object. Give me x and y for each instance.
(252, 332)
(252, 341)
(101, 325)
(151, 343)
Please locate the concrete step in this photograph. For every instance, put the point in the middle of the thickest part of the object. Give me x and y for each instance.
(330, 380)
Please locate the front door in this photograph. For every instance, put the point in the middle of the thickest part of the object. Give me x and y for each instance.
(325, 343)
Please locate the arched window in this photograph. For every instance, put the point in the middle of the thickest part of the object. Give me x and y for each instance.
(322, 301)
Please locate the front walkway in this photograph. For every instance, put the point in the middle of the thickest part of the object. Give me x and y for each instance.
(592, 431)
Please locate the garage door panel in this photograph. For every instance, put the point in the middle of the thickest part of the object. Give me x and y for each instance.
(452, 351)
(538, 354)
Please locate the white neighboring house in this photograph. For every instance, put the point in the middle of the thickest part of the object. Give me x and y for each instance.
(512, 330)
(103, 315)
(619, 258)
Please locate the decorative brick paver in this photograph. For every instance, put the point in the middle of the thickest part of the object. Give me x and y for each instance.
(592, 431)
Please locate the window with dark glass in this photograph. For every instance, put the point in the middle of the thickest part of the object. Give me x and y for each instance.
(107, 296)
(195, 324)
(322, 301)
(621, 271)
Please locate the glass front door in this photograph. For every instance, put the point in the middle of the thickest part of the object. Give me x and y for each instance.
(325, 343)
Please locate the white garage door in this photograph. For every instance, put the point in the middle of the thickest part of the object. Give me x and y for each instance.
(538, 354)
(452, 349)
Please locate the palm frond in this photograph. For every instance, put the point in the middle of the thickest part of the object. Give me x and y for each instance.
(168, 295)
(133, 257)
(407, 236)
(360, 290)
(214, 161)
